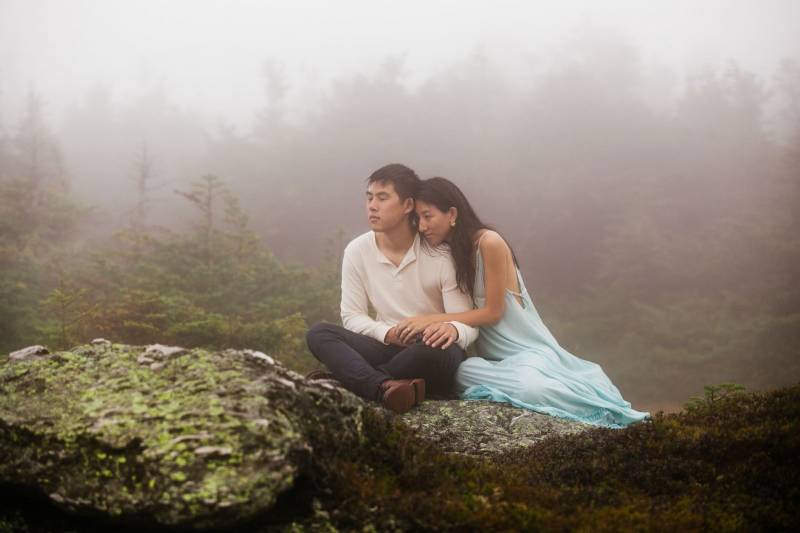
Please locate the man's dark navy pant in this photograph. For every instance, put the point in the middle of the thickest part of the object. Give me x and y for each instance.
(362, 363)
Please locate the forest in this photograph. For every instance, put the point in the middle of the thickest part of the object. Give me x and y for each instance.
(656, 220)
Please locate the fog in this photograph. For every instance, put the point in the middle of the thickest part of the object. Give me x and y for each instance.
(642, 157)
(222, 65)
(209, 55)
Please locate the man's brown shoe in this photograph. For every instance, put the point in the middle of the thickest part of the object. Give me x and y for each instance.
(400, 395)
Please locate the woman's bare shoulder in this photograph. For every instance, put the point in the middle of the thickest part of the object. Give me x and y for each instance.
(491, 241)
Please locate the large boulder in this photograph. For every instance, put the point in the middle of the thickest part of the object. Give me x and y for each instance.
(178, 437)
(200, 438)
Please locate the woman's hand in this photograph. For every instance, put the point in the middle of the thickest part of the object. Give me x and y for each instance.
(440, 334)
(409, 328)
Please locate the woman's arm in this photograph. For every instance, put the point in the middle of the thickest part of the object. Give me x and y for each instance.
(495, 253)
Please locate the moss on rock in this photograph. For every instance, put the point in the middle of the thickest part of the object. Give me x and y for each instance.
(189, 437)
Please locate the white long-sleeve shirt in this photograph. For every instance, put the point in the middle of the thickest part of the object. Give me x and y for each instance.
(424, 283)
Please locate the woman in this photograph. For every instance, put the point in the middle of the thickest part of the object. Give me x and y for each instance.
(521, 362)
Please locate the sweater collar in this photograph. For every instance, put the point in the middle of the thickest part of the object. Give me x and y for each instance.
(410, 257)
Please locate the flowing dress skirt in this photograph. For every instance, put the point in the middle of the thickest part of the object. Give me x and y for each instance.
(520, 362)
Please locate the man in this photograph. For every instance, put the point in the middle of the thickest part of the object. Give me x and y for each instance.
(391, 269)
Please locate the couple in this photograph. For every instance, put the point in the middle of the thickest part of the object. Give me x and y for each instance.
(435, 275)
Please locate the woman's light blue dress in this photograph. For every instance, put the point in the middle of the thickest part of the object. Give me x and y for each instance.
(522, 363)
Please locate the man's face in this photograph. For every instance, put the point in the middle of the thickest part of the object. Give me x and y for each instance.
(385, 210)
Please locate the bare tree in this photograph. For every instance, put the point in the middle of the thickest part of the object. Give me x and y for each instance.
(203, 195)
(143, 166)
(270, 119)
(39, 157)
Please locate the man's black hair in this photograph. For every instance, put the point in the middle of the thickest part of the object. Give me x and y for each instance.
(405, 181)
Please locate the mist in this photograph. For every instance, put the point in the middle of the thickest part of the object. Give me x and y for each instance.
(641, 157)
(210, 56)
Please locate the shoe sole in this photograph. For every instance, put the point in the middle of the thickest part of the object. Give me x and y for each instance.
(419, 390)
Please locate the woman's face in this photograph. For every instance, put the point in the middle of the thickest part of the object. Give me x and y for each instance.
(435, 225)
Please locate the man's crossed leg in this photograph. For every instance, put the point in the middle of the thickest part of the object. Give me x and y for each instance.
(364, 365)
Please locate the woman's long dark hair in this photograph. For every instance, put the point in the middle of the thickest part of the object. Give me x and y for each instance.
(444, 194)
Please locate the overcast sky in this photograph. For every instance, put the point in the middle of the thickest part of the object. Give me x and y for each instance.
(209, 54)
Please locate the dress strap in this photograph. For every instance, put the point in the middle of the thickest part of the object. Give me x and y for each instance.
(519, 295)
(478, 244)
(479, 257)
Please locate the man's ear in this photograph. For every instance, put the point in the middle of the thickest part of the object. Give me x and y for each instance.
(409, 206)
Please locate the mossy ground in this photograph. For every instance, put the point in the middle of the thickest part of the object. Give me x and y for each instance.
(730, 464)
(725, 465)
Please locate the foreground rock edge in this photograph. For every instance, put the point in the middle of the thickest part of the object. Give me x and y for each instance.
(185, 437)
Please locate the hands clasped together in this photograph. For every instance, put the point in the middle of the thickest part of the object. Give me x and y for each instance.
(426, 328)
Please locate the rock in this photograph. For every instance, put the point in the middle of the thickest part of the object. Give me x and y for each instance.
(208, 440)
(196, 438)
(214, 450)
(483, 428)
(31, 352)
(260, 355)
(159, 351)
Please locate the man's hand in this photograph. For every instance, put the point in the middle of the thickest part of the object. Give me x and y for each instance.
(409, 328)
(393, 338)
(440, 334)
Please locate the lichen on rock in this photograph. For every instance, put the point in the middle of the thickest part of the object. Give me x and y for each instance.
(180, 437)
(483, 428)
